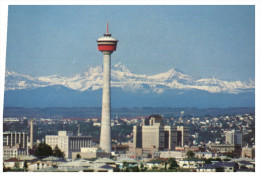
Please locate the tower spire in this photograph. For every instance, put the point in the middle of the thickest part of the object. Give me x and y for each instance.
(107, 27)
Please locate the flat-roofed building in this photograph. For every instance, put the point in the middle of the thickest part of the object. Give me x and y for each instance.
(234, 149)
(248, 152)
(173, 154)
(68, 143)
(10, 119)
(15, 143)
(152, 136)
(90, 153)
(233, 137)
(14, 151)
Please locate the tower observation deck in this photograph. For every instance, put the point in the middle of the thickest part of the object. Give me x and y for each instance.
(107, 43)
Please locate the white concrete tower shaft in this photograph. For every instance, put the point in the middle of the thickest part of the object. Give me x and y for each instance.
(31, 134)
(105, 136)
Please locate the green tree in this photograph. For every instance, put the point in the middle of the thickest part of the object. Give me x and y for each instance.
(135, 169)
(126, 167)
(190, 154)
(43, 150)
(208, 161)
(142, 168)
(4, 168)
(172, 163)
(125, 164)
(78, 156)
(57, 152)
(16, 165)
(154, 167)
(116, 169)
(25, 166)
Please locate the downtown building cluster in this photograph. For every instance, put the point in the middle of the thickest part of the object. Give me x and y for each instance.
(152, 141)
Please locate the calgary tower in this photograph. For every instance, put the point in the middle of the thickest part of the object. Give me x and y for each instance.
(107, 45)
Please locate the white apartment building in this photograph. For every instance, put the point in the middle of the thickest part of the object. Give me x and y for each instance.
(67, 142)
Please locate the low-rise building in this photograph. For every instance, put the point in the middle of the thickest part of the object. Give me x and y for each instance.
(89, 153)
(248, 152)
(219, 167)
(13, 163)
(206, 155)
(155, 164)
(120, 162)
(14, 151)
(38, 165)
(11, 119)
(172, 154)
(192, 163)
(245, 165)
(233, 149)
(79, 164)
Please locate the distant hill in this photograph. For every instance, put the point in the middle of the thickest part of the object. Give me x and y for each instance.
(60, 96)
(90, 112)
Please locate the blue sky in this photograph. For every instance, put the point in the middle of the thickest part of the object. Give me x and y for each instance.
(202, 41)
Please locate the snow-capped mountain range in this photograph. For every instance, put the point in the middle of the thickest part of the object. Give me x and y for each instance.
(123, 78)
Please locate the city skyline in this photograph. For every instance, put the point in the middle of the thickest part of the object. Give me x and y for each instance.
(191, 124)
(202, 41)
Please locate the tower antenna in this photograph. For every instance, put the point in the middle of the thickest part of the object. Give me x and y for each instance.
(107, 27)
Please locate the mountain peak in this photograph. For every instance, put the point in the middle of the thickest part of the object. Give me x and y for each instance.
(119, 64)
(93, 70)
(8, 72)
(121, 67)
(122, 77)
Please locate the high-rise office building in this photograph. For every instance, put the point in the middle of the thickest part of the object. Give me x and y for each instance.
(153, 134)
(182, 136)
(233, 137)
